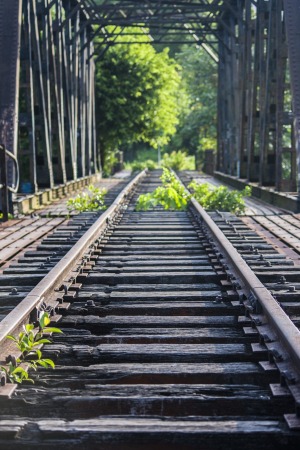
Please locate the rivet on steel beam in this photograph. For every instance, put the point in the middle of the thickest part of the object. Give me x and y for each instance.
(236, 285)
(286, 375)
(14, 291)
(276, 354)
(230, 276)
(249, 309)
(242, 296)
(282, 280)
(257, 321)
(65, 288)
(90, 303)
(265, 337)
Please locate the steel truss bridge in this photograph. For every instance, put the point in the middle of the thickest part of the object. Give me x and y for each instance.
(47, 74)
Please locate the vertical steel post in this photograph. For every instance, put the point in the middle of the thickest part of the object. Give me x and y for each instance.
(3, 185)
(10, 31)
(292, 23)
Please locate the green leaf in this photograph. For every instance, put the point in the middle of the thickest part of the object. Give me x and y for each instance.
(29, 327)
(50, 362)
(52, 330)
(44, 320)
(41, 341)
(12, 338)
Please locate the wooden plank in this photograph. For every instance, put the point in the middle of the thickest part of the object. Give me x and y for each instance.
(169, 400)
(154, 277)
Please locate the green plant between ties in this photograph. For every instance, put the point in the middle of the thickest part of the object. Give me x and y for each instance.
(28, 343)
(93, 200)
(220, 198)
(172, 195)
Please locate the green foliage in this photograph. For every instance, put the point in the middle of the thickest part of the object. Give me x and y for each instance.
(10, 216)
(109, 163)
(28, 343)
(220, 198)
(197, 130)
(178, 161)
(93, 200)
(141, 165)
(171, 195)
(136, 93)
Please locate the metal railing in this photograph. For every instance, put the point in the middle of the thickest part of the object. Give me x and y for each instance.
(6, 190)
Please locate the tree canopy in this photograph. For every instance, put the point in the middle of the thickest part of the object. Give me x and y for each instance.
(137, 94)
(197, 130)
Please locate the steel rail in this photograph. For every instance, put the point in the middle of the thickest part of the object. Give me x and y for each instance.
(56, 275)
(287, 333)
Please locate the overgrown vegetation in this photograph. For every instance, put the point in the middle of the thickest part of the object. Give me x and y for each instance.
(197, 129)
(137, 92)
(171, 195)
(29, 343)
(141, 165)
(178, 161)
(175, 160)
(93, 200)
(220, 198)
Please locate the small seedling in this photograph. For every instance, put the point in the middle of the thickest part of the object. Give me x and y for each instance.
(28, 342)
(93, 200)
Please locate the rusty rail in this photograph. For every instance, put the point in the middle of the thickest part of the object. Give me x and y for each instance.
(56, 276)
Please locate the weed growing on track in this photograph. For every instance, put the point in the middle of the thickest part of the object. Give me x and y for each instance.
(28, 343)
(93, 200)
(171, 195)
(220, 198)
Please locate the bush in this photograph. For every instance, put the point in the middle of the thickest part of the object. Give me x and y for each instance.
(220, 198)
(141, 165)
(93, 200)
(171, 195)
(178, 161)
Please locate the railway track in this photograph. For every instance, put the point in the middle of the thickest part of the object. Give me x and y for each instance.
(170, 339)
(54, 224)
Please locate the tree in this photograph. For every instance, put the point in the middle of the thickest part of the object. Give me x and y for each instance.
(136, 94)
(197, 130)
